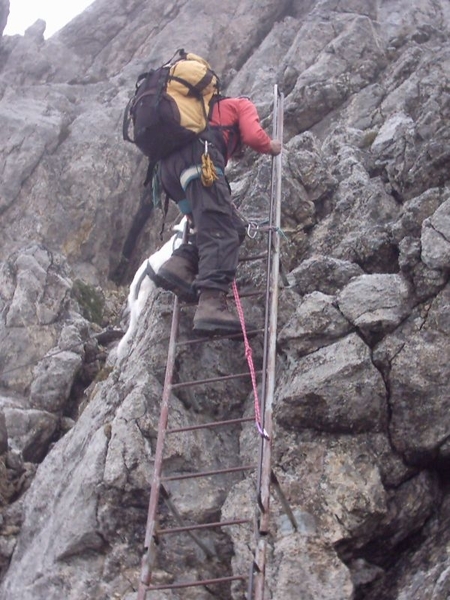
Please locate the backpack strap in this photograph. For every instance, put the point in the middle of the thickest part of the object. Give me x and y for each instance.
(127, 118)
(194, 90)
(150, 171)
(165, 211)
(234, 136)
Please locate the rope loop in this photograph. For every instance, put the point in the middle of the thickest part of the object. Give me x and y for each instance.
(248, 354)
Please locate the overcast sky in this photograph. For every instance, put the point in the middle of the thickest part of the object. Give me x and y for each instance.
(56, 13)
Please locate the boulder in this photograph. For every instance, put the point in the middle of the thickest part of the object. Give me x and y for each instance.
(316, 322)
(376, 303)
(323, 390)
(435, 239)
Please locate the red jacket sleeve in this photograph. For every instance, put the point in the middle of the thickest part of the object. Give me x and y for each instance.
(240, 112)
(252, 134)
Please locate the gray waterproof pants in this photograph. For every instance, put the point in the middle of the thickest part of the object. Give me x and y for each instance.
(219, 229)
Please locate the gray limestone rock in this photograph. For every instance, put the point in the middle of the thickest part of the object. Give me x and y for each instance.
(321, 573)
(41, 288)
(308, 165)
(393, 147)
(62, 524)
(4, 12)
(436, 238)
(316, 323)
(422, 572)
(337, 70)
(335, 479)
(415, 359)
(359, 434)
(323, 390)
(376, 303)
(322, 273)
(419, 399)
(53, 378)
(35, 292)
(29, 431)
(3, 434)
(415, 211)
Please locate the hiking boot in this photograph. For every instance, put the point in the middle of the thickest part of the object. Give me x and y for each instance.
(212, 316)
(177, 275)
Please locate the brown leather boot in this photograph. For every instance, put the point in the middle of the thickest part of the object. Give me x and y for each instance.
(177, 275)
(212, 316)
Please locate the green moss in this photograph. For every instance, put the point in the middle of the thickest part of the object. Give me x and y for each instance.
(103, 374)
(91, 301)
(369, 138)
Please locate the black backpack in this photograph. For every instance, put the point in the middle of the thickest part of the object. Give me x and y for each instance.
(170, 106)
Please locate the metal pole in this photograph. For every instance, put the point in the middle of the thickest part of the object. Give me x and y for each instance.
(269, 363)
(149, 556)
(274, 240)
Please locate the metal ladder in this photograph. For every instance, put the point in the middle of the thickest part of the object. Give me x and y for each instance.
(265, 477)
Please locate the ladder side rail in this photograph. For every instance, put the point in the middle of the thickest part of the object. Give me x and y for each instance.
(149, 554)
(157, 465)
(268, 283)
(269, 365)
(273, 317)
(257, 577)
(259, 570)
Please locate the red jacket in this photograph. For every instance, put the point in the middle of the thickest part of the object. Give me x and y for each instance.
(241, 113)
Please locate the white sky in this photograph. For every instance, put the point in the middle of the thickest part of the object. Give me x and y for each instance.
(56, 13)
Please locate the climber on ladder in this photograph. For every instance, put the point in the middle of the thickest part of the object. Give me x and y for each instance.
(264, 381)
(194, 178)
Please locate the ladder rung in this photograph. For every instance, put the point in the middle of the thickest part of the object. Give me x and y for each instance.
(251, 294)
(177, 386)
(253, 257)
(215, 338)
(208, 473)
(211, 425)
(174, 586)
(203, 526)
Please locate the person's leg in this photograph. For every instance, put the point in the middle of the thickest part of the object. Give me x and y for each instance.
(217, 238)
(218, 232)
(218, 241)
(177, 274)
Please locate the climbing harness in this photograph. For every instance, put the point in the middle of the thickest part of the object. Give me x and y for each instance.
(263, 384)
(196, 172)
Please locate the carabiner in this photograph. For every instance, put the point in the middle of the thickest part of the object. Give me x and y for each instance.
(252, 230)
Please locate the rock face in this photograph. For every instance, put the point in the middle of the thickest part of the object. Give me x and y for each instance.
(362, 433)
(4, 12)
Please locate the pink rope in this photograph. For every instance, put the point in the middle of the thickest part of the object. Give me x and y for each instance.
(249, 357)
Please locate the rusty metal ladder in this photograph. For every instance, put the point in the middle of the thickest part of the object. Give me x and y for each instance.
(265, 477)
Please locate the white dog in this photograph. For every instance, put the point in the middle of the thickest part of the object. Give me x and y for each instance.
(142, 284)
